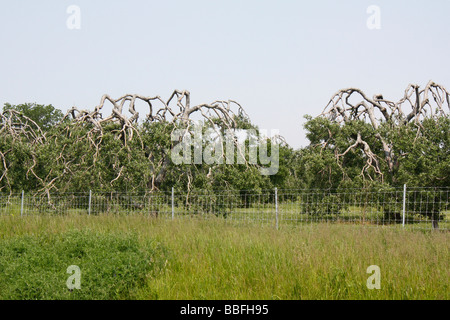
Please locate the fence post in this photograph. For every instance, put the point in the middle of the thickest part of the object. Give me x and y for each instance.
(276, 207)
(21, 205)
(90, 199)
(173, 209)
(404, 204)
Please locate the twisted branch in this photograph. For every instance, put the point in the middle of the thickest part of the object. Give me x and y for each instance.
(415, 105)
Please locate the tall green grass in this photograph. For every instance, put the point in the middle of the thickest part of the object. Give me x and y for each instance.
(217, 260)
(113, 266)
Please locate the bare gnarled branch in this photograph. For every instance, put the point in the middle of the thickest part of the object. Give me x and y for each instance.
(416, 104)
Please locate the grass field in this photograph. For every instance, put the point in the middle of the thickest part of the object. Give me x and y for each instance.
(137, 257)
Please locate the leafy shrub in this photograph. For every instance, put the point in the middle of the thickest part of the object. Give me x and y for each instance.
(112, 265)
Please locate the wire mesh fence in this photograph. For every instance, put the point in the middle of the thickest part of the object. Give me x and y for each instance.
(409, 207)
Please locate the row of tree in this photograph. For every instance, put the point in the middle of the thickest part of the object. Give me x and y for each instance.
(357, 142)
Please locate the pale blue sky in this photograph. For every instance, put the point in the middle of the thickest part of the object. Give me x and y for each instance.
(279, 59)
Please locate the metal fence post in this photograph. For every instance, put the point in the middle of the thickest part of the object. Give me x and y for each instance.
(21, 205)
(276, 207)
(90, 199)
(404, 204)
(173, 209)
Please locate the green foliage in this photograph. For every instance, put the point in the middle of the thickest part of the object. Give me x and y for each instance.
(288, 175)
(421, 158)
(113, 266)
(77, 157)
(423, 152)
(45, 116)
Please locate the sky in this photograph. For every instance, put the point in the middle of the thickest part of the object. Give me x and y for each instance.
(281, 60)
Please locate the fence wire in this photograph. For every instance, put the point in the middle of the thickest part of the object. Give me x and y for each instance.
(412, 208)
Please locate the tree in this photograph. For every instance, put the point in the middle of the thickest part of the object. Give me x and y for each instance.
(86, 149)
(378, 145)
(423, 153)
(163, 115)
(45, 116)
(352, 105)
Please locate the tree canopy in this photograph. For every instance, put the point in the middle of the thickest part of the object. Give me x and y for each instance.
(45, 116)
(356, 141)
